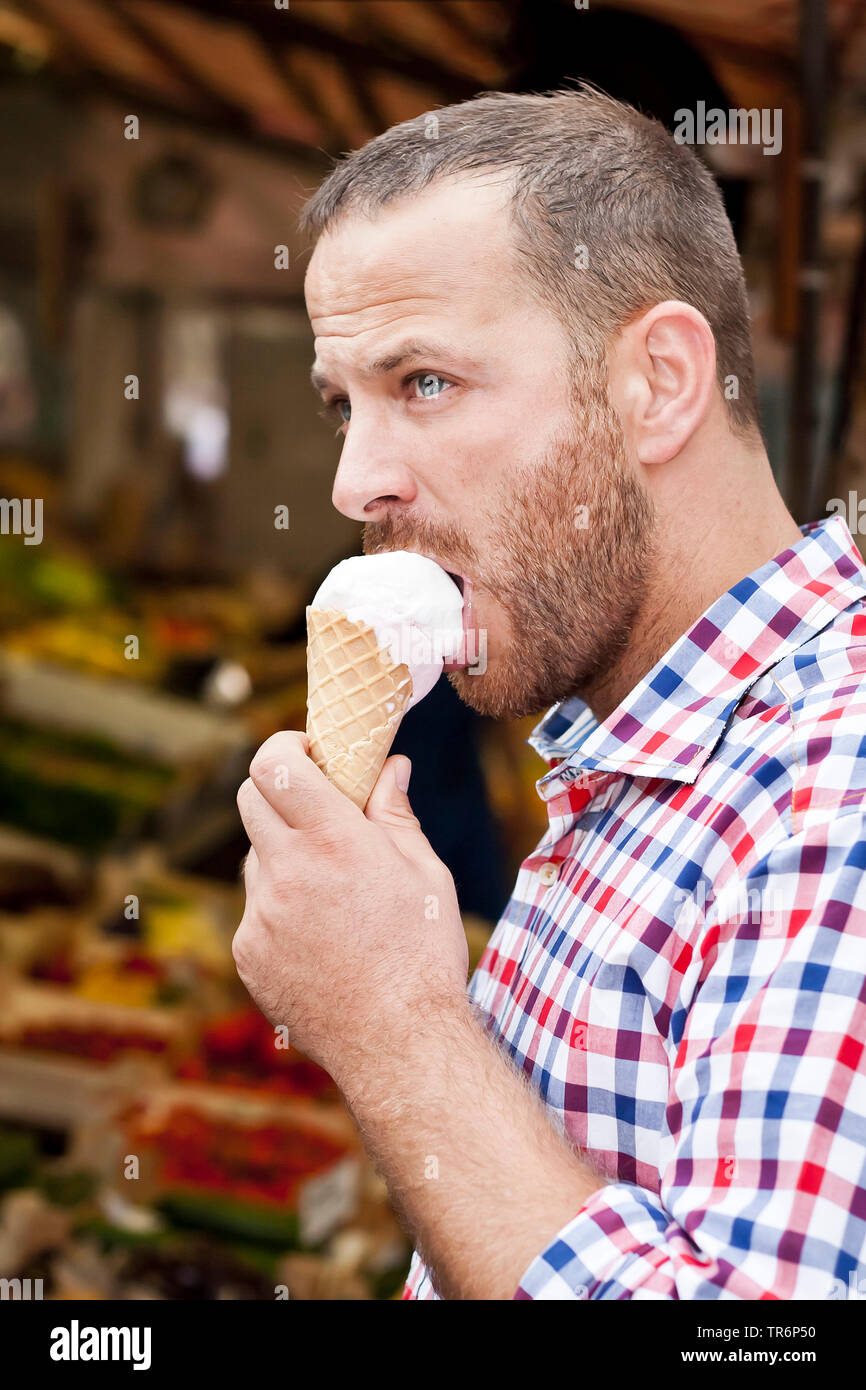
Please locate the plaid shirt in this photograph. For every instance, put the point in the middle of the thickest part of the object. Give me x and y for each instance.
(681, 970)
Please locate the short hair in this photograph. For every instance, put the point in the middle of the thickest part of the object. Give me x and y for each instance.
(611, 215)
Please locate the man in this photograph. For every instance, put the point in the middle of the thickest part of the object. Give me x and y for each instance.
(532, 328)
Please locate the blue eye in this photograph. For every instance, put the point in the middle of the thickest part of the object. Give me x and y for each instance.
(429, 384)
(343, 409)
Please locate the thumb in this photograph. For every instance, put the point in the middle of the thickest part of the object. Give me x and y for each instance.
(389, 807)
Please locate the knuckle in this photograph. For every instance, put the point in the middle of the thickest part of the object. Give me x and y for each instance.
(325, 830)
(398, 820)
(240, 944)
(243, 796)
(277, 750)
(263, 766)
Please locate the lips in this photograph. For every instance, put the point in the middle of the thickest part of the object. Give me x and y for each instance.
(462, 581)
(464, 657)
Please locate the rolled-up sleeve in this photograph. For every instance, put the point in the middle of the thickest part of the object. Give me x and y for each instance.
(762, 1167)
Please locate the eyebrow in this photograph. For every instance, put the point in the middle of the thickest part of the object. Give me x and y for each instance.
(382, 365)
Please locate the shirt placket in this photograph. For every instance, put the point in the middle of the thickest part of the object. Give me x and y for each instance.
(548, 874)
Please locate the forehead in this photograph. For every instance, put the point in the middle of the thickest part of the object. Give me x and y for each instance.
(446, 245)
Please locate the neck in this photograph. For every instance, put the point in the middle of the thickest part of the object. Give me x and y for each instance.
(733, 522)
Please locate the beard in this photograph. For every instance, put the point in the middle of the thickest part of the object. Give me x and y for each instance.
(565, 557)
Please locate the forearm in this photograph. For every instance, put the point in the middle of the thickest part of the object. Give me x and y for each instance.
(475, 1169)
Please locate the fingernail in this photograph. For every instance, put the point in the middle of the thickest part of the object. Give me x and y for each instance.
(402, 774)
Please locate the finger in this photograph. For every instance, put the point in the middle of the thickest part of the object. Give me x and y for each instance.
(266, 829)
(290, 782)
(249, 871)
(389, 806)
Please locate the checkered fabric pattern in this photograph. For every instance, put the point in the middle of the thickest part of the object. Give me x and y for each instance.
(681, 970)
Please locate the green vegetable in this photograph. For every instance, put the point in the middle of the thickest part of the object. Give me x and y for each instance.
(229, 1217)
(112, 1237)
(67, 1189)
(19, 1158)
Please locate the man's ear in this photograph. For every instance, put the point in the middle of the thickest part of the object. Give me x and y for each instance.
(664, 375)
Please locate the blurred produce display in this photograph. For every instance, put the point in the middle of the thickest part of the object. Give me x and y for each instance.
(158, 1138)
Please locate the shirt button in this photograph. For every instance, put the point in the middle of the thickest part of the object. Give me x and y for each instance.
(548, 873)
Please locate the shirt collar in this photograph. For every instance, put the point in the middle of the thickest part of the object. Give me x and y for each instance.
(670, 723)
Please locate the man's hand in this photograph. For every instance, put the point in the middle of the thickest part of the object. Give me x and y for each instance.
(351, 932)
(352, 937)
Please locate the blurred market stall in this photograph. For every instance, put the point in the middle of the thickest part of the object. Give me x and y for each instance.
(157, 1137)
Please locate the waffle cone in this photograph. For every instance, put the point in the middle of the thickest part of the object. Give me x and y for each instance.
(356, 696)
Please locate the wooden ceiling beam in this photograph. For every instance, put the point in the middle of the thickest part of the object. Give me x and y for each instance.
(487, 21)
(745, 55)
(229, 111)
(454, 15)
(169, 56)
(430, 29)
(91, 82)
(305, 93)
(285, 27)
(93, 48)
(334, 92)
(367, 103)
(208, 110)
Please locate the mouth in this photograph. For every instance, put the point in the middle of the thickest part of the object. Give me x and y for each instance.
(463, 582)
(462, 658)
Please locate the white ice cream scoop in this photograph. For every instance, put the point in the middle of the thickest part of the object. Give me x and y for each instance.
(413, 605)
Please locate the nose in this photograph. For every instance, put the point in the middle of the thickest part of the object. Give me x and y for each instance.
(371, 477)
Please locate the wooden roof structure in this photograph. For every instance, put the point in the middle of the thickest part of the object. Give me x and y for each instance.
(326, 75)
(320, 74)
(314, 78)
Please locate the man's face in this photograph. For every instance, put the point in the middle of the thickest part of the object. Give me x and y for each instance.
(471, 437)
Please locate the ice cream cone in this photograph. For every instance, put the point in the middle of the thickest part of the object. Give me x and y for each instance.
(356, 696)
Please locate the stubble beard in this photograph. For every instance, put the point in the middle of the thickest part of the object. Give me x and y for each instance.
(566, 558)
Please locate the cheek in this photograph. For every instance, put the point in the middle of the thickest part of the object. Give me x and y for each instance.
(499, 434)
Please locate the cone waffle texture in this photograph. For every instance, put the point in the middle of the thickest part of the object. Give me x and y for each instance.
(356, 696)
